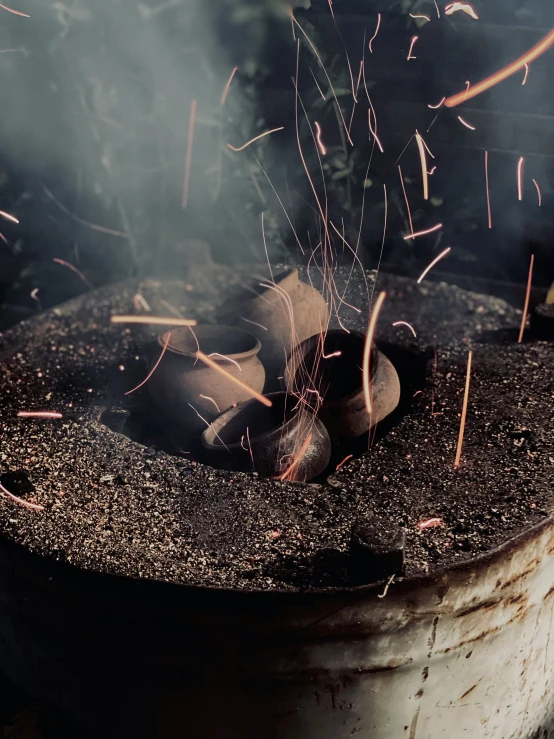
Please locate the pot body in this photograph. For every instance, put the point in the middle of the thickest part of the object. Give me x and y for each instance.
(268, 317)
(465, 653)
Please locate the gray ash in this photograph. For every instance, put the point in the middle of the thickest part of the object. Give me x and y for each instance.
(117, 506)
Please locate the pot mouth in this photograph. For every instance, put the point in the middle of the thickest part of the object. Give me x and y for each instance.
(252, 421)
(225, 341)
(316, 363)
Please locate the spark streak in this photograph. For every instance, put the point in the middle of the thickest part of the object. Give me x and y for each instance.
(520, 178)
(466, 124)
(504, 73)
(320, 145)
(464, 7)
(487, 188)
(8, 217)
(423, 157)
(538, 192)
(438, 105)
(374, 131)
(15, 12)
(154, 368)
(412, 43)
(464, 412)
(429, 523)
(215, 366)
(22, 502)
(292, 467)
(425, 17)
(154, 320)
(526, 74)
(405, 323)
(188, 159)
(73, 269)
(372, 39)
(227, 86)
(406, 199)
(367, 350)
(344, 461)
(39, 414)
(207, 397)
(527, 296)
(261, 135)
(423, 233)
(430, 267)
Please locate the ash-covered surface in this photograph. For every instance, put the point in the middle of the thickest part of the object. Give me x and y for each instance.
(114, 505)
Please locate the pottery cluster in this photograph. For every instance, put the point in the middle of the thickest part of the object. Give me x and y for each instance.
(275, 340)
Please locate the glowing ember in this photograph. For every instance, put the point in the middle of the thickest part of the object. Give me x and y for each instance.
(372, 39)
(423, 17)
(256, 138)
(154, 320)
(227, 86)
(215, 366)
(429, 523)
(344, 461)
(288, 473)
(421, 145)
(464, 412)
(487, 187)
(320, 145)
(423, 233)
(430, 267)
(438, 105)
(412, 43)
(154, 368)
(367, 350)
(408, 325)
(538, 192)
(520, 178)
(527, 296)
(503, 74)
(25, 503)
(7, 216)
(464, 7)
(15, 12)
(39, 414)
(466, 124)
(373, 131)
(526, 74)
(188, 160)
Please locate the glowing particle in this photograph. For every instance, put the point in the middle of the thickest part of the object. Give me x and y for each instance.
(188, 159)
(154, 368)
(215, 366)
(261, 135)
(320, 144)
(423, 233)
(412, 43)
(405, 323)
(527, 296)
(154, 320)
(464, 7)
(367, 350)
(464, 412)
(430, 267)
(466, 124)
(372, 39)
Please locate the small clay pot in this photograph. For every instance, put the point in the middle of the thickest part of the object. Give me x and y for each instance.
(269, 441)
(188, 391)
(266, 313)
(338, 379)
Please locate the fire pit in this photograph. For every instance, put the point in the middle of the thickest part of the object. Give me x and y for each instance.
(152, 588)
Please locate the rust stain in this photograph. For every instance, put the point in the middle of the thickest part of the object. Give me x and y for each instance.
(433, 636)
(468, 692)
(549, 593)
(484, 605)
(413, 725)
(520, 575)
(392, 665)
(419, 693)
(425, 674)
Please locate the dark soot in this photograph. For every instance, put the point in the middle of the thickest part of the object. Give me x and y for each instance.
(114, 505)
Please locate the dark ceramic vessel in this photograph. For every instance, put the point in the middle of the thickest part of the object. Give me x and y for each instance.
(270, 441)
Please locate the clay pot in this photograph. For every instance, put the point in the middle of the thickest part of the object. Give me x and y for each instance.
(339, 382)
(266, 313)
(185, 388)
(269, 441)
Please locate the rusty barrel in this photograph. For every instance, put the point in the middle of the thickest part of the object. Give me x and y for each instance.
(465, 651)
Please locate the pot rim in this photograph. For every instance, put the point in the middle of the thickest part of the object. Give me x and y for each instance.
(253, 351)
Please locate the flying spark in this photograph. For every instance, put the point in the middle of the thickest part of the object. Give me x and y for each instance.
(430, 267)
(226, 359)
(429, 523)
(504, 73)
(423, 233)
(287, 474)
(344, 461)
(464, 412)
(423, 149)
(154, 320)
(424, 17)
(39, 414)
(207, 397)
(227, 86)
(434, 107)
(464, 7)
(527, 296)
(15, 12)
(526, 74)
(188, 159)
(25, 503)
(7, 216)
(154, 368)
(538, 192)
(367, 350)
(520, 178)
(320, 145)
(374, 131)
(414, 39)
(372, 39)
(466, 124)
(406, 199)
(261, 135)
(73, 269)
(215, 366)
(487, 187)
(405, 323)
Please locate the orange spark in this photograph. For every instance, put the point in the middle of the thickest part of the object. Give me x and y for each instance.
(434, 107)
(423, 157)
(7, 216)
(22, 502)
(372, 39)
(423, 233)
(215, 366)
(405, 323)
(227, 86)
(207, 397)
(504, 73)
(464, 7)
(538, 192)
(406, 199)
(520, 178)
(154, 368)
(466, 124)
(414, 39)
(344, 461)
(188, 160)
(39, 414)
(464, 412)
(261, 135)
(73, 269)
(487, 186)
(425, 17)
(320, 145)
(526, 74)
(430, 267)
(154, 320)
(15, 12)
(290, 469)
(437, 9)
(367, 349)
(374, 131)
(527, 296)
(429, 523)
